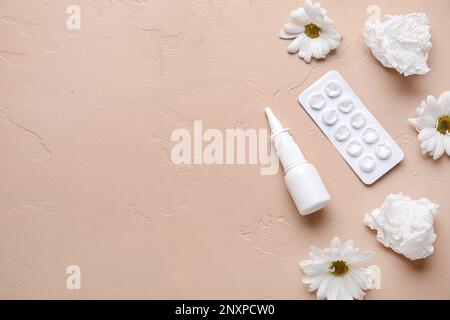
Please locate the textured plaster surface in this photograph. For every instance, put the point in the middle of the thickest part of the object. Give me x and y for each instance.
(86, 177)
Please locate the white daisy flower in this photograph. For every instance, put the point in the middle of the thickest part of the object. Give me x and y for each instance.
(334, 271)
(314, 33)
(433, 125)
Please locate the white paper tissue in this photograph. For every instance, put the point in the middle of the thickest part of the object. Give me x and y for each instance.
(405, 225)
(401, 42)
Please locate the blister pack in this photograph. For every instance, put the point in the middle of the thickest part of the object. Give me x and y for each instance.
(355, 133)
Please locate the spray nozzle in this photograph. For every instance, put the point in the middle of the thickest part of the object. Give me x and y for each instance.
(274, 123)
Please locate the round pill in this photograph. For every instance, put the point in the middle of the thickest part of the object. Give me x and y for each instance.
(317, 101)
(358, 120)
(342, 132)
(345, 105)
(330, 116)
(383, 151)
(355, 148)
(333, 89)
(367, 163)
(370, 136)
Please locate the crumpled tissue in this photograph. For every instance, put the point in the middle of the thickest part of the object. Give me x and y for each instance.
(401, 42)
(405, 225)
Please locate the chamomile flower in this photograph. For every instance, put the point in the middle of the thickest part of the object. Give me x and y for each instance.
(433, 125)
(335, 273)
(313, 32)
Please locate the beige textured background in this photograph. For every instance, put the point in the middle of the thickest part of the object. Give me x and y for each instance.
(86, 178)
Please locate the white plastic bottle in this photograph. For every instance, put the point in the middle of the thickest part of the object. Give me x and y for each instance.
(302, 178)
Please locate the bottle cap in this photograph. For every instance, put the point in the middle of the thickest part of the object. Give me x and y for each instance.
(302, 178)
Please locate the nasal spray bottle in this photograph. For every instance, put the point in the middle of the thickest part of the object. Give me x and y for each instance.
(302, 178)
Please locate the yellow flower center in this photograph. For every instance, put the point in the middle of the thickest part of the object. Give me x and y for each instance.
(443, 124)
(312, 30)
(339, 268)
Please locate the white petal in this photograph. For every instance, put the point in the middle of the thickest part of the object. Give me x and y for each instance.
(440, 148)
(352, 287)
(293, 28)
(423, 122)
(327, 22)
(308, 7)
(362, 276)
(305, 49)
(327, 253)
(284, 35)
(426, 134)
(316, 49)
(316, 253)
(336, 254)
(295, 45)
(332, 37)
(314, 267)
(307, 265)
(349, 251)
(421, 108)
(444, 101)
(434, 109)
(349, 243)
(340, 288)
(314, 282)
(335, 243)
(432, 142)
(315, 13)
(343, 291)
(428, 146)
(299, 16)
(322, 290)
(333, 290)
(322, 9)
(363, 257)
(330, 43)
(415, 123)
